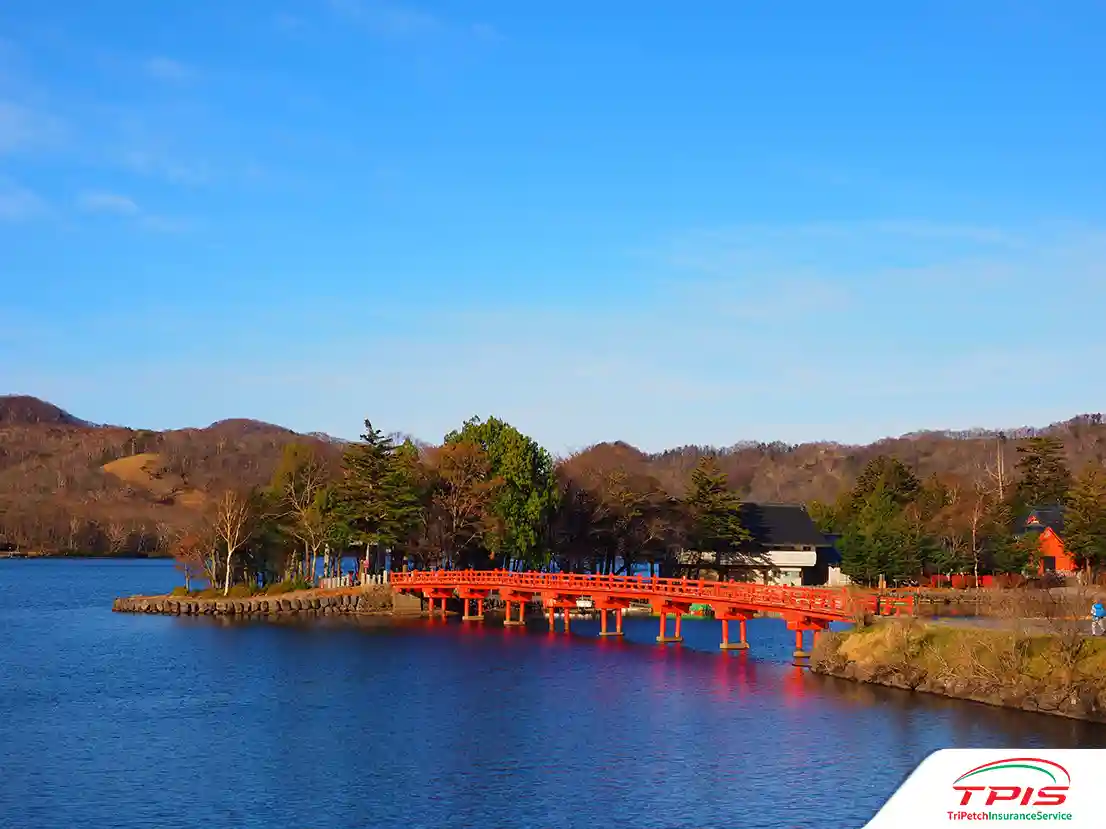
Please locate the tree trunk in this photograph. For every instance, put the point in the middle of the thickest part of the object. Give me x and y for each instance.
(226, 584)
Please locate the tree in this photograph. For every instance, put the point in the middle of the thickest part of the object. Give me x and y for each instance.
(463, 498)
(378, 495)
(881, 540)
(713, 510)
(189, 553)
(1044, 475)
(233, 516)
(1085, 519)
(528, 496)
(892, 476)
(297, 487)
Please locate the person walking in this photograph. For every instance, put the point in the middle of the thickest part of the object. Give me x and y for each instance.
(1098, 619)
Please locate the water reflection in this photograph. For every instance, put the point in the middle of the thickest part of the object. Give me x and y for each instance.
(368, 721)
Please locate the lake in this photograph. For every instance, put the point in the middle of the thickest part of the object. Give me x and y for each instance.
(121, 720)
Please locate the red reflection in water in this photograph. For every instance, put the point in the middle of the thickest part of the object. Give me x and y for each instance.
(794, 686)
(734, 674)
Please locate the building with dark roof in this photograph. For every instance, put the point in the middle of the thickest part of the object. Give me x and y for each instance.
(785, 549)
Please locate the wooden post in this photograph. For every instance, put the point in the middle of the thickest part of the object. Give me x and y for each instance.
(480, 608)
(565, 612)
(660, 636)
(725, 635)
(679, 619)
(603, 622)
(741, 626)
(552, 619)
(618, 621)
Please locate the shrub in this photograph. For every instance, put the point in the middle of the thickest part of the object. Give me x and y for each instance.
(179, 591)
(287, 587)
(210, 593)
(240, 591)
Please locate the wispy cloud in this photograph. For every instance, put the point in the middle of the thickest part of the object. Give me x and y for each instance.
(17, 203)
(165, 224)
(288, 23)
(104, 202)
(23, 128)
(167, 69)
(387, 19)
(160, 164)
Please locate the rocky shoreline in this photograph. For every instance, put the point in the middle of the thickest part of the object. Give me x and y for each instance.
(377, 600)
(913, 659)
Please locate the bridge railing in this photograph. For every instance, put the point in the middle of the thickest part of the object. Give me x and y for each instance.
(833, 602)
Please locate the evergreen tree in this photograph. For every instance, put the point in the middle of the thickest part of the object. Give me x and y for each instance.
(378, 497)
(1044, 475)
(1085, 518)
(882, 473)
(881, 539)
(714, 510)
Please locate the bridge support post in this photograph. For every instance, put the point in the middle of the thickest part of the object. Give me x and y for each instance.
(664, 610)
(727, 645)
(471, 617)
(568, 625)
(799, 652)
(618, 622)
(552, 619)
(602, 622)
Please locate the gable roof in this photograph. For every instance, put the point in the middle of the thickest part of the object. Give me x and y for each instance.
(1040, 518)
(781, 525)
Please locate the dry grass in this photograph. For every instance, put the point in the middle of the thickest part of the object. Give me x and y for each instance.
(1054, 668)
(146, 471)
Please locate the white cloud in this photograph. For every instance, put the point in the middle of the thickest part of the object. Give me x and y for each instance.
(18, 203)
(387, 19)
(22, 128)
(102, 202)
(167, 69)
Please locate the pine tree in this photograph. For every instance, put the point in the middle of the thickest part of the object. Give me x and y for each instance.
(378, 494)
(714, 510)
(1044, 475)
(1085, 518)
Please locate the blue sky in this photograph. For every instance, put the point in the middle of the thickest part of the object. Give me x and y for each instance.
(668, 224)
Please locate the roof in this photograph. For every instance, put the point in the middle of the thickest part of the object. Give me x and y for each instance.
(781, 525)
(1040, 518)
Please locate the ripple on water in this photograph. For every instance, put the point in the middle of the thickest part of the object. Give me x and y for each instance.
(127, 721)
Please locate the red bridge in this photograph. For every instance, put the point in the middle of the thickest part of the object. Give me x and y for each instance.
(803, 608)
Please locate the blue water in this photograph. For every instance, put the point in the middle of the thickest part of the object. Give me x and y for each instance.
(114, 720)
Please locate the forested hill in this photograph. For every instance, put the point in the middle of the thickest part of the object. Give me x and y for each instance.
(66, 484)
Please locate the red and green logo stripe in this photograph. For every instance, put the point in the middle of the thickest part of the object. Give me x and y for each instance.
(1047, 767)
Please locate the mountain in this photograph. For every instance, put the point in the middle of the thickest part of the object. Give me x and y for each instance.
(66, 484)
(23, 410)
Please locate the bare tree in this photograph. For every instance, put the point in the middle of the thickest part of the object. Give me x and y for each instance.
(233, 516)
(117, 535)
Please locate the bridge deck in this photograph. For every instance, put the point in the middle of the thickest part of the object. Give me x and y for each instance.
(808, 603)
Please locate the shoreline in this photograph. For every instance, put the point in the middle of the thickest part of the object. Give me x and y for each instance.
(374, 600)
(1058, 674)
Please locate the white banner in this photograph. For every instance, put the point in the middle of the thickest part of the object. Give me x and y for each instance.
(1028, 787)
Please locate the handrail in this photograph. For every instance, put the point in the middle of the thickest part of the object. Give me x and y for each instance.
(833, 602)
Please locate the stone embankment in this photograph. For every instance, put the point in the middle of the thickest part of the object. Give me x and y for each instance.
(376, 600)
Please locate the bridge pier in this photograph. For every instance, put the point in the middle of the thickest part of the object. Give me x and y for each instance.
(799, 652)
(742, 643)
(663, 638)
(508, 621)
